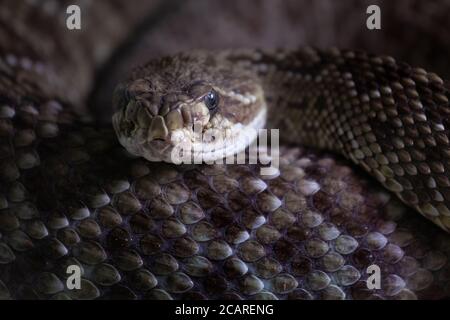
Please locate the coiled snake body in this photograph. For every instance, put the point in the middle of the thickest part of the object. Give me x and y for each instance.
(72, 195)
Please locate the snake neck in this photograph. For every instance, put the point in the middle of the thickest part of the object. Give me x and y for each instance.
(387, 117)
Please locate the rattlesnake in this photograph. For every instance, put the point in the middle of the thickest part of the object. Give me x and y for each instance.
(71, 194)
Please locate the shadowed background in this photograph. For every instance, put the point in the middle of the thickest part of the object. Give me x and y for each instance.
(174, 26)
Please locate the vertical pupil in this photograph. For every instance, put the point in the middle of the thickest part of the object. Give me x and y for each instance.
(211, 99)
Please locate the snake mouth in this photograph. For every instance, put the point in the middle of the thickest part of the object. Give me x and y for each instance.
(193, 139)
(144, 133)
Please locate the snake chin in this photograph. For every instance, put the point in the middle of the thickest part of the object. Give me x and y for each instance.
(214, 144)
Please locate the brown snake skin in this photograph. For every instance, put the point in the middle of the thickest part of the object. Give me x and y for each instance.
(70, 194)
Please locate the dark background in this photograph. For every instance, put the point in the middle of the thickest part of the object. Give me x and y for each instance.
(413, 31)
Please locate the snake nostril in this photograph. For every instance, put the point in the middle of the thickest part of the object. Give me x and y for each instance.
(158, 129)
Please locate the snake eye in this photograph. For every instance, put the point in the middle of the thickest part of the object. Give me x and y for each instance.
(212, 100)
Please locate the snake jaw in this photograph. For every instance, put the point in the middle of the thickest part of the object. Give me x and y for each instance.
(207, 138)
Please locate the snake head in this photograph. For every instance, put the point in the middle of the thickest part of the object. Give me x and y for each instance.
(188, 106)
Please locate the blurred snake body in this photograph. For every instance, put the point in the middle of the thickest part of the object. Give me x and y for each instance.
(108, 200)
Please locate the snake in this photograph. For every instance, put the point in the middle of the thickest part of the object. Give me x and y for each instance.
(109, 199)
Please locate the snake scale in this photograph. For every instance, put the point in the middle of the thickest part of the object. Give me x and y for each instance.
(70, 193)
